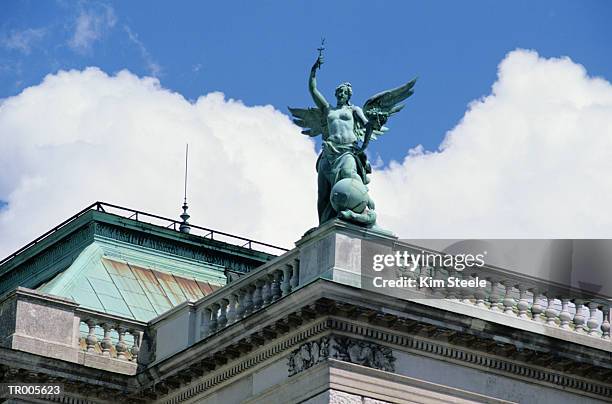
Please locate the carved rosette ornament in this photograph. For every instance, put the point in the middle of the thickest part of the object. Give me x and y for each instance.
(341, 348)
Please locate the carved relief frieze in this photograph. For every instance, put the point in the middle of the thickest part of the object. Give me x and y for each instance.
(342, 348)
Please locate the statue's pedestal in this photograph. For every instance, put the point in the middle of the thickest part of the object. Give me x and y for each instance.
(335, 249)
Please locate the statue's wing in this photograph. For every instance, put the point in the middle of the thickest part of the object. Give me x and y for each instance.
(311, 119)
(380, 106)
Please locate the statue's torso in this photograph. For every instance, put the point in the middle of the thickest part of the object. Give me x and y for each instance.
(340, 124)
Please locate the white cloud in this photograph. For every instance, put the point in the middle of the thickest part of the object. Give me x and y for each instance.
(23, 41)
(82, 136)
(90, 26)
(530, 160)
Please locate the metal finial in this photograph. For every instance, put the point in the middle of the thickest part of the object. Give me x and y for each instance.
(184, 227)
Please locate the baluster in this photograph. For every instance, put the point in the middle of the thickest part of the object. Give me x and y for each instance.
(480, 295)
(565, 316)
(214, 312)
(436, 273)
(223, 313)
(106, 343)
(412, 273)
(592, 322)
(450, 292)
(205, 326)
(257, 298)
(231, 309)
(605, 324)
(431, 272)
(494, 297)
(508, 301)
(248, 307)
(295, 276)
(465, 292)
(551, 312)
(419, 271)
(536, 307)
(266, 293)
(523, 304)
(91, 339)
(579, 319)
(136, 346)
(276, 292)
(121, 346)
(240, 302)
(286, 284)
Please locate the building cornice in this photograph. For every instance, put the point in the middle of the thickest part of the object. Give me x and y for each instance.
(324, 311)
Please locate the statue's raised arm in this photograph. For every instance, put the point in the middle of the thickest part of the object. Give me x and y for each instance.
(313, 120)
(317, 97)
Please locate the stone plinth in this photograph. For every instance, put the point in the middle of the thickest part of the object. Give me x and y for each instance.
(333, 251)
(40, 324)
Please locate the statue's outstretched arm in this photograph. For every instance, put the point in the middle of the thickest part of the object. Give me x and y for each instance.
(317, 97)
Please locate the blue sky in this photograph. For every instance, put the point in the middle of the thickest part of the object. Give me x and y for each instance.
(260, 51)
(113, 133)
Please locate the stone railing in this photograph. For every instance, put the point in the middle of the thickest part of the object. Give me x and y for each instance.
(517, 296)
(248, 294)
(58, 328)
(110, 336)
(190, 322)
(340, 252)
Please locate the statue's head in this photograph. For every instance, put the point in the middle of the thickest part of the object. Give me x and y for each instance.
(344, 92)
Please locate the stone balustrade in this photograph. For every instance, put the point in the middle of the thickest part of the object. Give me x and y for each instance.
(59, 328)
(522, 297)
(248, 294)
(344, 253)
(190, 321)
(110, 336)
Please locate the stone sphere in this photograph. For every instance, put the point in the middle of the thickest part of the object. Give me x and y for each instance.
(349, 194)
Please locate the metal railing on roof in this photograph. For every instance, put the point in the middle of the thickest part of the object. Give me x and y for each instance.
(156, 221)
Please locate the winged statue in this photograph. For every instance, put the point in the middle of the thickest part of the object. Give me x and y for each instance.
(346, 131)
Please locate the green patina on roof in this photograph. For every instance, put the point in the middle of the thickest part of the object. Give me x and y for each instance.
(125, 267)
(123, 283)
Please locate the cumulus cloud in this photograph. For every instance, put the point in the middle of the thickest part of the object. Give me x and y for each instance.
(82, 136)
(90, 26)
(532, 159)
(23, 41)
(529, 160)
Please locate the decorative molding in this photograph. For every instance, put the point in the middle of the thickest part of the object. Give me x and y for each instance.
(237, 367)
(342, 348)
(368, 344)
(479, 360)
(179, 249)
(363, 352)
(51, 259)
